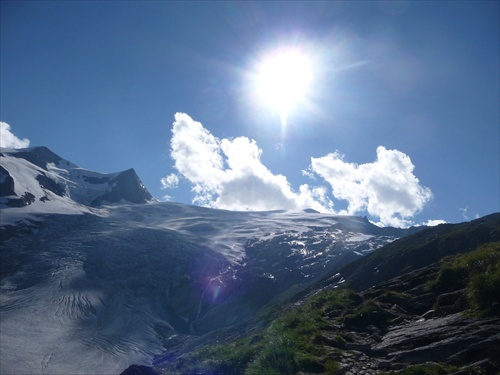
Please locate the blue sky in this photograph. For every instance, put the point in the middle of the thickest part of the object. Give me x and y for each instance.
(400, 121)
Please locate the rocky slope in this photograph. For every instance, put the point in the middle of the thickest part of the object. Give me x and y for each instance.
(412, 323)
(442, 317)
(420, 250)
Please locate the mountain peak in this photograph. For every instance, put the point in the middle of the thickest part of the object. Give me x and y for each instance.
(126, 186)
(38, 177)
(39, 156)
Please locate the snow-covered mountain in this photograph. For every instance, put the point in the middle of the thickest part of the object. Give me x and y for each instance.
(42, 180)
(97, 275)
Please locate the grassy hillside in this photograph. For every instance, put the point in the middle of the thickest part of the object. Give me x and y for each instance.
(420, 250)
(435, 311)
(317, 336)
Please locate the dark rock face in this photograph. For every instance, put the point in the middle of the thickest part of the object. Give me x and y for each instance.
(96, 180)
(50, 184)
(6, 183)
(139, 370)
(453, 339)
(25, 200)
(126, 186)
(39, 156)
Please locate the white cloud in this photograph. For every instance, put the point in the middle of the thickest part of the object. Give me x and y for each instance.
(170, 182)
(9, 140)
(307, 173)
(386, 188)
(433, 223)
(228, 173)
(464, 211)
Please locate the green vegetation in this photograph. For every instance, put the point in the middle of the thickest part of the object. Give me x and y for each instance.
(293, 342)
(478, 272)
(310, 335)
(393, 297)
(368, 313)
(302, 337)
(420, 250)
(280, 355)
(229, 359)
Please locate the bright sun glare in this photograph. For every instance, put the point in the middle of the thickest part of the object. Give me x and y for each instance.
(283, 80)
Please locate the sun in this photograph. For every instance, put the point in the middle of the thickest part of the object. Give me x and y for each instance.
(283, 79)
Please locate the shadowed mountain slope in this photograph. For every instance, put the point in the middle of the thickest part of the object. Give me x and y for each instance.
(420, 250)
(439, 314)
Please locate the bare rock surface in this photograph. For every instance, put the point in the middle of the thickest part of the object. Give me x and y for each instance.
(453, 339)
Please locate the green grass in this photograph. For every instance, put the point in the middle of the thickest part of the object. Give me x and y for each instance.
(420, 250)
(229, 359)
(291, 343)
(302, 337)
(478, 272)
(297, 336)
(278, 356)
(368, 313)
(393, 297)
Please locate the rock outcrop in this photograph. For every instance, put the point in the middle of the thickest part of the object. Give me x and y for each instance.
(421, 330)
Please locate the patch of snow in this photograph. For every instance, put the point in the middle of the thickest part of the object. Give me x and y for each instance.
(358, 237)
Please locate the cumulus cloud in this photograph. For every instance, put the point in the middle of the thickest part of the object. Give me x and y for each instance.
(9, 140)
(386, 188)
(170, 182)
(228, 173)
(433, 223)
(166, 198)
